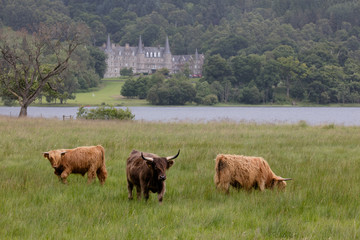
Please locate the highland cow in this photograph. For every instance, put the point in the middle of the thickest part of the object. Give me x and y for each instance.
(89, 159)
(245, 172)
(147, 172)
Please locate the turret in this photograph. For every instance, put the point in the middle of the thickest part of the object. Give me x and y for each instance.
(167, 46)
(167, 56)
(140, 47)
(108, 44)
(140, 58)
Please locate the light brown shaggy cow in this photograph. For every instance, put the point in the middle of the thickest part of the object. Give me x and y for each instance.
(89, 159)
(245, 172)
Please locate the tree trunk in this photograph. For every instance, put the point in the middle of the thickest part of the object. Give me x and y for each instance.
(288, 91)
(23, 111)
(287, 87)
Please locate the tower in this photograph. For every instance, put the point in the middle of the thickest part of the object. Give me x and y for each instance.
(167, 56)
(140, 57)
(108, 44)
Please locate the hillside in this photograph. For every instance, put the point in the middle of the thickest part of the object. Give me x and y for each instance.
(311, 48)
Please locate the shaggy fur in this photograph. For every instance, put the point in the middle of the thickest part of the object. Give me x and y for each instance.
(147, 175)
(90, 160)
(245, 172)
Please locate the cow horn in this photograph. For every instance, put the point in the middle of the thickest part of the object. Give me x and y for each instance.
(173, 157)
(146, 158)
(285, 179)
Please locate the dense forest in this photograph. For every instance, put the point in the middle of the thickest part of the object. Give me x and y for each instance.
(257, 51)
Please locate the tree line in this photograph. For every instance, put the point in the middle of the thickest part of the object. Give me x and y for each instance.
(256, 51)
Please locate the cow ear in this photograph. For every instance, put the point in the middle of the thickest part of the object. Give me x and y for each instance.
(46, 155)
(169, 164)
(150, 164)
(62, 153)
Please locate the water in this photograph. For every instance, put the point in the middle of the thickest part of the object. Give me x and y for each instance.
(347, 116)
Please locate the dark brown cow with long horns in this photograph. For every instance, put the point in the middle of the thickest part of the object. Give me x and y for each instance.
(147, 171)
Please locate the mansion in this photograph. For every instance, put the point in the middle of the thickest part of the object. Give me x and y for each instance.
(147, 60)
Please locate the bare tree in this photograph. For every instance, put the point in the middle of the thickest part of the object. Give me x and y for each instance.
(29, 62)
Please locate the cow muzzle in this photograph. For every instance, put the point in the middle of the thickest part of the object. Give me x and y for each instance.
(162, 178)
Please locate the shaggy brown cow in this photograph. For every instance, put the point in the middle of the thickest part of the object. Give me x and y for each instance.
(81, 160)
(245, 172)
(147, 172)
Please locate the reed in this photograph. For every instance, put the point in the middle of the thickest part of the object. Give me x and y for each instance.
(321, 202)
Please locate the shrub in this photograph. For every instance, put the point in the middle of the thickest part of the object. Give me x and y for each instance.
(105, 113)
(210, 99)
(126, 72)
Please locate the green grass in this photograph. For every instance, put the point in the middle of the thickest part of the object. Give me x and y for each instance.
(322, 201)
(108, 93)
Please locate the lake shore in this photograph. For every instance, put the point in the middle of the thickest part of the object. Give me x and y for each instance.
(347, 116)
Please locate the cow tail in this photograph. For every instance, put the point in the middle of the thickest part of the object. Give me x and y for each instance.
(103, 155)
(219, 165)
(101, 172)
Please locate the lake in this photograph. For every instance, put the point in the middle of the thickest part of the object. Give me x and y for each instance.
(347, 116)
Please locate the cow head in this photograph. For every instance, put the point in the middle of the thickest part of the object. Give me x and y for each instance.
(159, 165)
(54, 157)
(279, 182)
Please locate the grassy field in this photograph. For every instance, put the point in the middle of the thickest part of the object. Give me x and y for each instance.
(322, 201)
(108, 93)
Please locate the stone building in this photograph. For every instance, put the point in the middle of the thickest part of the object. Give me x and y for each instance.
(147, 60)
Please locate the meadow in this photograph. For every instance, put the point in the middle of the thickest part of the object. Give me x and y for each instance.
(107, 94)
(321, 202)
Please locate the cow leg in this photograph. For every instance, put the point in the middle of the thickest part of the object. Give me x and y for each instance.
(261, 185)
(223, 186)
(101, 174)
(91, 174)
(161, 193)
(138, 192)
(58, 175)
(130, 189)
(64, 175)
(145, 192)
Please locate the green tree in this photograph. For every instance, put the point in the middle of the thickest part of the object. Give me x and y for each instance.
(172, 92)
(98, 62)
(143, 85)
(129, 88)
(229, 46)
(246, 68)
(268, 78)
(290, 70)
(203, 89)
(251, 94)
(216, 69)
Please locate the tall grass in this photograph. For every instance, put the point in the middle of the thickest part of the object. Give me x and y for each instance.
(321, 202)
